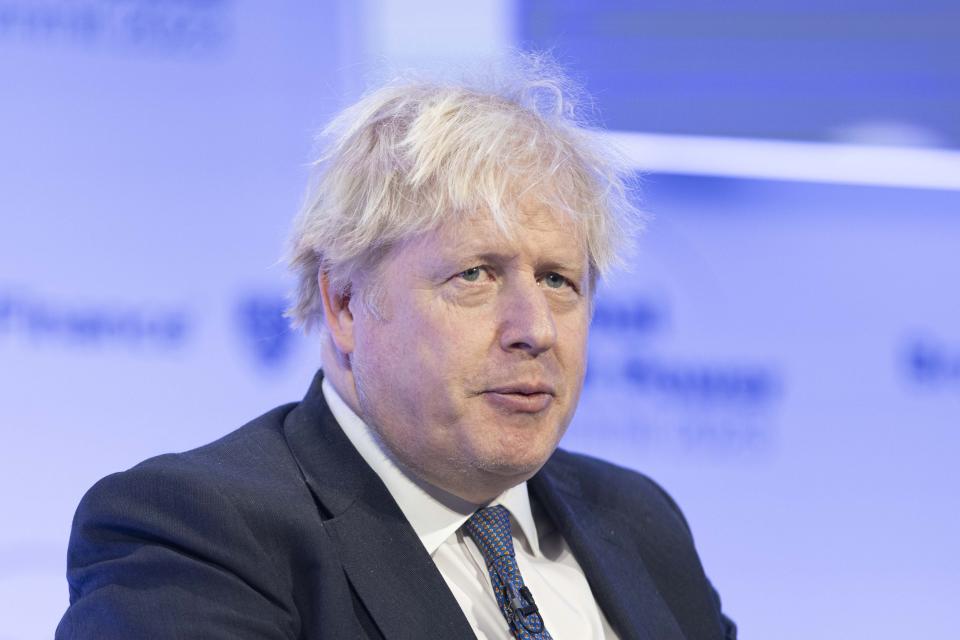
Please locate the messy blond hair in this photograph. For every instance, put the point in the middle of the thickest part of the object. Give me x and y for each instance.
(415, 153)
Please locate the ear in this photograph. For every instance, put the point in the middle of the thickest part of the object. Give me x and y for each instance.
(337, 316)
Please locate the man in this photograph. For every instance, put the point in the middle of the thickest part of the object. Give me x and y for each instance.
(449, 252)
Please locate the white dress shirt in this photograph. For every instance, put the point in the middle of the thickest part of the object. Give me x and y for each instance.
(549, 569)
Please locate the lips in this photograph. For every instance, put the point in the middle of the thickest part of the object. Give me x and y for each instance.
(521, 397)
(524, 388)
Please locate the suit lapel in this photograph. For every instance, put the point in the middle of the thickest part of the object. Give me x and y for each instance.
(601, 543)
(382, 556)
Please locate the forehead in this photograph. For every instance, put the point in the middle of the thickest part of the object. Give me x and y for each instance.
(533, 232)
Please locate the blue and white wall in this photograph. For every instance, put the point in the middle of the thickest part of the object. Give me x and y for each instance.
(783, 354)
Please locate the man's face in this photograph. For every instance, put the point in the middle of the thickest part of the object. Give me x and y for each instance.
(473, 372)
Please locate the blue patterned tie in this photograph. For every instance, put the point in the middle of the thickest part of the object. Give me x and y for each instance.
(490, 529)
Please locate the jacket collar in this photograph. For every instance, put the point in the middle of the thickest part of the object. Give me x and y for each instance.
(383, 558)
(605, 545)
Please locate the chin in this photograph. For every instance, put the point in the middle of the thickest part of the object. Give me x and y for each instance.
(520, 460)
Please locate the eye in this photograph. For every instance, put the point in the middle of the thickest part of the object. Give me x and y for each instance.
(472, 274)
(555, 280)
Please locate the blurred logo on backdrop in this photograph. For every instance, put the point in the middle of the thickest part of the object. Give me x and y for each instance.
(932, 363)
(174, 27)
(266, 334)
(645, 395)
(41, 321)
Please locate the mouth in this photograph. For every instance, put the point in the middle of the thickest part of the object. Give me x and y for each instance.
(521, 397)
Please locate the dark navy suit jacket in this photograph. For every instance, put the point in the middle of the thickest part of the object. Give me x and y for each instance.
(281, 530)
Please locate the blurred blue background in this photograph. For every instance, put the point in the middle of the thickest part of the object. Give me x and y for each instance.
(783, 353)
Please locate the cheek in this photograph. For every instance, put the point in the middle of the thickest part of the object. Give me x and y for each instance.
(376, 348)
(573, 332)
(379, 364)
(450, 340)
(412, 359)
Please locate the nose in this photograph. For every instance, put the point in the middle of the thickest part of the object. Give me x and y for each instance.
(526, 319)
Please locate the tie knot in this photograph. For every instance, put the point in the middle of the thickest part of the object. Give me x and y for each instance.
(490, 529)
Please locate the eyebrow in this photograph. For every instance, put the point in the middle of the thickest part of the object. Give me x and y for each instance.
(556, 265)
(571, 266)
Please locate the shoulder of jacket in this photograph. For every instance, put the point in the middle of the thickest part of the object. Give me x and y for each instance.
(616, 487)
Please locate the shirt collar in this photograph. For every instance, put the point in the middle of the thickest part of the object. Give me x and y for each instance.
(433, 513)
